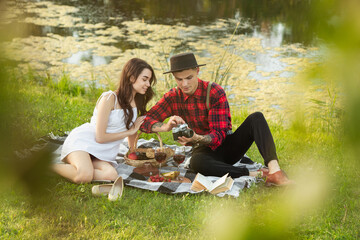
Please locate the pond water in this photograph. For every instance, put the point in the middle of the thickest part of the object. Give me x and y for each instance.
(257, 49)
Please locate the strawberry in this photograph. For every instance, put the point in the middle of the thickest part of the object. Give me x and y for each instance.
(158, 178)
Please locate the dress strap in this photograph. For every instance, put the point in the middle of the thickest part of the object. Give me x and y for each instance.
(108, 93)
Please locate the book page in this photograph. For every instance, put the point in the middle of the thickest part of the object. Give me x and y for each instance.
(203, 181)
(218, 182)
(224, 187)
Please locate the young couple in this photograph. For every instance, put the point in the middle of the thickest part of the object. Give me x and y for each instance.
(90, 150)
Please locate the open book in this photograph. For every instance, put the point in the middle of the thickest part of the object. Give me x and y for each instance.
(203, 183)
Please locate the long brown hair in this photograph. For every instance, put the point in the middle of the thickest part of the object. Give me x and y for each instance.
(133, 68)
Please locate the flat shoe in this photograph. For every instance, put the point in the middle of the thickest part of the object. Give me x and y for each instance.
(116, 189)
(101, 190)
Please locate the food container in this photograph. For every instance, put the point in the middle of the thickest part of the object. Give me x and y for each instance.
(150, 153)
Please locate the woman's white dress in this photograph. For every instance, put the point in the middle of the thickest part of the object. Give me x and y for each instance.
(82, 138)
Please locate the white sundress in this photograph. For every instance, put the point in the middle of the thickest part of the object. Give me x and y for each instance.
(82, 138)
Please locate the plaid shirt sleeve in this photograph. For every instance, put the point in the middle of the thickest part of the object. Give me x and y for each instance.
(219, 119)
(158, 113)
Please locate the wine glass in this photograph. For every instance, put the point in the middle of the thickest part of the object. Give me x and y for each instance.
(179, 155)
(160, 156)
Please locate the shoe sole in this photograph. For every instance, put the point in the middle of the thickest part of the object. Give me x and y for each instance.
(270, 184)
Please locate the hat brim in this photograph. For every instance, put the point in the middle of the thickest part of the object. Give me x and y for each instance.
(181, 69)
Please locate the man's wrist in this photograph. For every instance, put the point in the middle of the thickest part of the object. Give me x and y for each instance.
(196, 139)
(201, 140)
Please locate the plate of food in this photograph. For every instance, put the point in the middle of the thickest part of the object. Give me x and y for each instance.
(173, 176)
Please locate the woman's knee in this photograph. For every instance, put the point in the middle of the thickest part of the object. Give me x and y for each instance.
(105, 169)
(84, 177)
(110, 173)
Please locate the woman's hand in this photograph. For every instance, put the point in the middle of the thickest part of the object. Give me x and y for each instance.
(135, 127)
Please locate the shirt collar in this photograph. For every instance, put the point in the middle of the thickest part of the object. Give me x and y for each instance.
(198, 92)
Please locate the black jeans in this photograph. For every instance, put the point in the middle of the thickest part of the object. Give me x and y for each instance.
(220, 161)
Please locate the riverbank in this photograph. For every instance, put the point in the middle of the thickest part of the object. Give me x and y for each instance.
(245, 52)
(324, 205)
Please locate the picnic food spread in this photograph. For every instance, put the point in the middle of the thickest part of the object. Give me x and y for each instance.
(165, 177)
(138, 156)
(158, 178)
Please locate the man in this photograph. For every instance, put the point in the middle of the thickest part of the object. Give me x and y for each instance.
(216, 147)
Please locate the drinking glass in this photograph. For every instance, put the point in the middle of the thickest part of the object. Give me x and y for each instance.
(179, 155)
(160, 156)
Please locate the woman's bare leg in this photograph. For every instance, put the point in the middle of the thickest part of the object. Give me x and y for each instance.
(104, 170)
(78, 169)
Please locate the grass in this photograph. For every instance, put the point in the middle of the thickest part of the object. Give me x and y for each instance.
(324, 206)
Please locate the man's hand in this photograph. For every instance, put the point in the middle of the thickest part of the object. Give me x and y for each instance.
(184, 140)
(196, 139)
(165, 127)
(173, 122)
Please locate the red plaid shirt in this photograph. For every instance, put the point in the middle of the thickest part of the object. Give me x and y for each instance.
(216, 122)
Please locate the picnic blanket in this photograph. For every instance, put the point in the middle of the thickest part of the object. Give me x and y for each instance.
(54, 144)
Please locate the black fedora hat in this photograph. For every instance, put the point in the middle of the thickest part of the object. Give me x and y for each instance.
(183, 61)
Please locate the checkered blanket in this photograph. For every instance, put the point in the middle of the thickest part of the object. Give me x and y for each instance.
(54, 144)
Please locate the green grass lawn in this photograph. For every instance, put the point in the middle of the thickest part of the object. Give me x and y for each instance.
(324, 205)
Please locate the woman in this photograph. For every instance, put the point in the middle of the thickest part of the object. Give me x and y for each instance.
(90, 150)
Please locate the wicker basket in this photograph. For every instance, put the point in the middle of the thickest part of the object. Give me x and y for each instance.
(150, 153)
